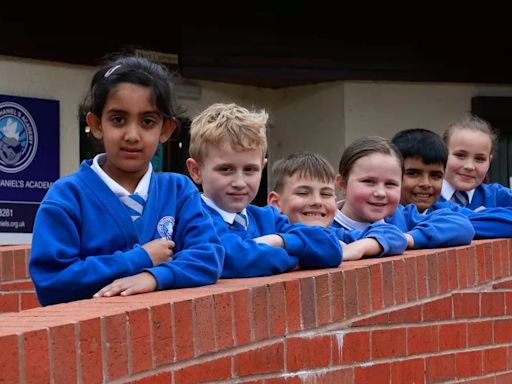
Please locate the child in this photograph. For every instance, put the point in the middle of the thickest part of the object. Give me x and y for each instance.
(227, 156)
(425, 155)
(471, 142)
(304, 191)
(112, 227)
(370, 175)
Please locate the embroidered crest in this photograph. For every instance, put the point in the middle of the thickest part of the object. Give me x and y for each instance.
(165, 227)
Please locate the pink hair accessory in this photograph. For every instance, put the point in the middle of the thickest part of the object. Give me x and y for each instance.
(111, 70)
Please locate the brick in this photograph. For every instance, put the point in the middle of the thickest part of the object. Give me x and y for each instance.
(337, 376)
(90, 351)
(159, 378)
(9, 302)
(468, 364)
(471, 264)
(242, 320)
(421, 273)
(422, 339)
(204, 325)
(224, 320)
(440, 309)
(408, 371)
(218, 370)
(279, 380)
(116, 346)
(439, 368)
(183, 330)
(497, 262)
(505, 258)
(28, 300)
(479, 333)
(388, 343)
(36, 357)
(354, 346)
(508, 303)
(452, 336)
(462, 267)
(488, 261)
(432, 274)
(411, 293)
(372, 374)
(372, 320)
(260, 360)
(162, 331)
(494, 360)
(9, 359)
(323, 299)
(259, 313)
(308, 303)
(442, 262)
(503, 331)
(308, 352)
(452, 269)
(399, 281)
(140, 340)
(377, 300)
(7, 261)
(20, 265)
(492, 304)
(466, 305)
(388, 291)
(410, 314)
(63, 347)
(505, 378)
(337, 296)
(363, 290)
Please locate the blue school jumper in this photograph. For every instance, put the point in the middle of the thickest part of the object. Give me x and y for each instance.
(442, 228)
(84, 237)
(489, 223)
(488, 196)
(391, 239)
(307, 246)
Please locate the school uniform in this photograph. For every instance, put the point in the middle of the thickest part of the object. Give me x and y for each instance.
(483, 196)
(85, 238)
(489, 223)
(307, 246)
(442, 228)
(391, 238)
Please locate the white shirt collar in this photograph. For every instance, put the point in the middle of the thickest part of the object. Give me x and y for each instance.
(348, 223)
(142, 188)
(229, 217)
(448, 190)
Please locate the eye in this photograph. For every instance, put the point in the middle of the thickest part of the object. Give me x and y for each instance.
(327, 194)
(368, 181)
(251, 170)
(411, 173)
(480, 159)
(459, 155)
(301, 193)
(117, 120)
(225, 169)
(149, 122)
(392, 184)
(436, 177)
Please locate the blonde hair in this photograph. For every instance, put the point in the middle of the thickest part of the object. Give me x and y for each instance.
(228, 124)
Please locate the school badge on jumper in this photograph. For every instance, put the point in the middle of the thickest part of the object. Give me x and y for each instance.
(165, 227)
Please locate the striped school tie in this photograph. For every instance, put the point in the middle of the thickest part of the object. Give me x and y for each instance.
(461, 198)
(241, 219)
(134, 204)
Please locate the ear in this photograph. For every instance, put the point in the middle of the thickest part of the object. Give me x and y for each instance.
(167, 129)
(341, 184)
(194, 170)
(264, 163)
(273, 199)
(94, 124)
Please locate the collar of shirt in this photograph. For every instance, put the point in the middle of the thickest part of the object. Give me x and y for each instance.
(229, 217)
(142, 188)
(348, 223)
(448, 190)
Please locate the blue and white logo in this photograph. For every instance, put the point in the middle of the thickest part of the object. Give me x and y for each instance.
(18, 138)
(165, 227)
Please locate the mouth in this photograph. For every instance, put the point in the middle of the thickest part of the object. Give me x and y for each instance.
(422, 196)
(313, 214)
(378, 205)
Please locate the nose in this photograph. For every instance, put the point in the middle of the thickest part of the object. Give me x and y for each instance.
(424, 182)
(132, 133)
(379, 191)
(238, 180)
(469, 165)
(315, 199)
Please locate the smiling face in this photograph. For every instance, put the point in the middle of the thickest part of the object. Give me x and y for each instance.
(131, 128)
(306, 201)
(469, 158)
(230, 178)
(372, 190)
(421, 184)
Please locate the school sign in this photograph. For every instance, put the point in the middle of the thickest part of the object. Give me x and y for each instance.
(29, 162)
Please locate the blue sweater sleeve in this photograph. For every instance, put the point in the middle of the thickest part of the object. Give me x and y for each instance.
(315, 247)
(245, 257)
(391, 238)
(441, 228)
(59, 270)
(198, 255)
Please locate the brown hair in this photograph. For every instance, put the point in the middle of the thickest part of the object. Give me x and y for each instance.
(304, 164)
(363, 147)
(475, 123)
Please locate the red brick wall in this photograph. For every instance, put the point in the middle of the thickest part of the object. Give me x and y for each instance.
(431, 316)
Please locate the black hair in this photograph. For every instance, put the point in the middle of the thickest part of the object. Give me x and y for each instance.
(133, 70)
(422, 143)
